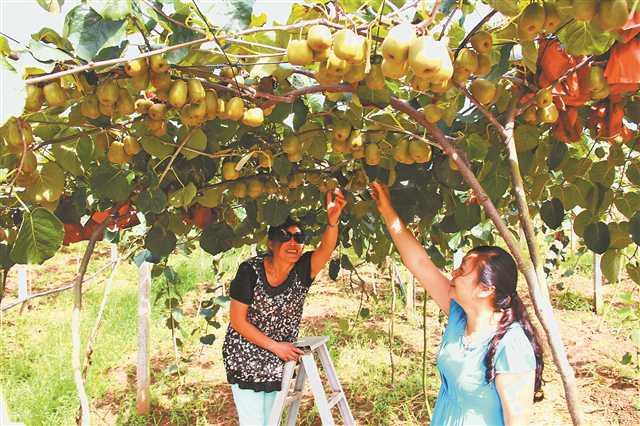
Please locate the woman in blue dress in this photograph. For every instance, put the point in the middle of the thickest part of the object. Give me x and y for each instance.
(490, 357)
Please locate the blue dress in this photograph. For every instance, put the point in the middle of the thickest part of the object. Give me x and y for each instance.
(465, 397)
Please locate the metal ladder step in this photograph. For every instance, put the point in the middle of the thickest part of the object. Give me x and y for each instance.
(308, 372)
(335, 398)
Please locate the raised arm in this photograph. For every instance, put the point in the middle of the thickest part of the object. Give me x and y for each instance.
(413, 254)
(320, 257)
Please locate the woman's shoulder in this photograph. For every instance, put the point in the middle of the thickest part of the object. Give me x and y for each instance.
(515, 338)
(515, 352)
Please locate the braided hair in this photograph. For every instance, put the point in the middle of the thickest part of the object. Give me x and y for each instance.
(499, 271)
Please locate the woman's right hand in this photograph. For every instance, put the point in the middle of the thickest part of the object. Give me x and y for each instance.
(286, 351)
(380, 194)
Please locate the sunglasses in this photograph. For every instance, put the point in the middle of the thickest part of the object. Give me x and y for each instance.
(283, 236)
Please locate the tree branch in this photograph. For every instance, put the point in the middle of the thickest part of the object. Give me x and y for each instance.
(175, 154)
(479, 25)
(84, 415)
(94, 333)
(67, 138)
(521, 198)
(55, 290)
(92, 65)
(295, 26)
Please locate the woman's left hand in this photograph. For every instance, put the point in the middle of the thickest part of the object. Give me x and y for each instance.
(335, 204)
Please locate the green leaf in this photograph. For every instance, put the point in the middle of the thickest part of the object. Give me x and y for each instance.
(51, 36)
(154, 146)
(530, 55)
(582, 220)
(300, 112)
(178, 36)
(345, 263)
(152, 201)
(210, 197)
(45, 53)
(39, 238)
(208, 339)
(5, 49)
(236, 14)
(567, 194)
(52, 6)
(628, 203)
(552, 213)
(475, 146)
(160, 241)
(634, 228)
(258, 20)
(583, 38)
(602, 172)
(334, 269)
(197, 141)
(616, 155)
(506, 7)
(634, 272)
(111, 183)
(49, 185)
(558, 153)
(379, 98)
(217, 238)
(526, 137)
(496, 183)
(66, 156)
(633, 173)
(316, 147)
(610, 264)
(90, 33)
(595, 198)
(5, 257)
(619, 233)
(275, 212)
(467, 217)
(183, 196)
(596, 237)
(113, 9)
(281, 166)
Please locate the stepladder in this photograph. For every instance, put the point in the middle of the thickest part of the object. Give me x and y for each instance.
(297, 373)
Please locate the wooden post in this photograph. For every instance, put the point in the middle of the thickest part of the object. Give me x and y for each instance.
(114, 253)
(23, 282)
(143, 404)
(598, 299)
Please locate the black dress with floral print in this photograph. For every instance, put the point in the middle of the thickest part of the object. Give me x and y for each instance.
(275, 311)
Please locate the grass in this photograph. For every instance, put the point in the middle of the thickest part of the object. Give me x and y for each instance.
(573, 301)
(35, 362)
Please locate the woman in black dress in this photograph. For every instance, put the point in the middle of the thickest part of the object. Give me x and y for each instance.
(267, 297)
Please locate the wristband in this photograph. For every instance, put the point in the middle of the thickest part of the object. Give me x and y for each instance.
(332, 226)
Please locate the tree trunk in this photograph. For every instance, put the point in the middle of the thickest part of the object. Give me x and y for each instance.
(143, 403)
(84, 415)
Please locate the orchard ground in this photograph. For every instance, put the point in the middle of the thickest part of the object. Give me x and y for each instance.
(37, 382)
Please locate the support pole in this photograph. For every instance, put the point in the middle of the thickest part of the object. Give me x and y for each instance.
(598, 297)
(143, 403)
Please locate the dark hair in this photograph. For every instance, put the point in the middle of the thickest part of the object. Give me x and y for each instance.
(499, 271)
(273, 231)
